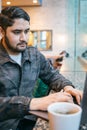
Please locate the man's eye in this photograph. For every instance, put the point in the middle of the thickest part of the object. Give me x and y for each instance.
(26, 31)
(16, 32)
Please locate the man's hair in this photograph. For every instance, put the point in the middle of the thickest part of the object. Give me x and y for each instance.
(9, 14)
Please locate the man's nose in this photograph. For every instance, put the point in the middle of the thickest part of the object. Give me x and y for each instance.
(23, 37)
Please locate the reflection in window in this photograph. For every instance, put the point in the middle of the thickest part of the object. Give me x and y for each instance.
(41, 39)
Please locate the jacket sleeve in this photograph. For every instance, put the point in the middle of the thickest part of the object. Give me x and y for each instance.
(51, 76)
(13, 107)
(60, 83)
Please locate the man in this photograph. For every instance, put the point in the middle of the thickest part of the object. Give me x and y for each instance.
(20, 67)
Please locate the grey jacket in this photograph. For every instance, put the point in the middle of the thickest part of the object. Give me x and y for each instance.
(17, 84)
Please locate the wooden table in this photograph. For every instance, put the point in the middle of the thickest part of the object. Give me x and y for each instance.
(40, 114)
(42, 122)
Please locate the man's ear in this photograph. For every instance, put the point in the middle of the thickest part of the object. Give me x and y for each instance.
(1, 33)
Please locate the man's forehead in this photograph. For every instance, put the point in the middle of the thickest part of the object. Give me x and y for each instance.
(20, 24)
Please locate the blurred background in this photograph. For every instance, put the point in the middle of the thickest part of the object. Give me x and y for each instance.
(58, 25)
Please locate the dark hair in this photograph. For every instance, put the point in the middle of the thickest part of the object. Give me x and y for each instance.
(8, 15)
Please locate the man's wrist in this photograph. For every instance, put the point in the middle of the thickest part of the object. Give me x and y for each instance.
(33, 105)
(67, 88)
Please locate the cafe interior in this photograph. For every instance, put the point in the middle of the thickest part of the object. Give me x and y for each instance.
(57, 26)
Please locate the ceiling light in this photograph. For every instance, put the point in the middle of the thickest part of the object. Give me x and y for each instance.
(35, 1)
(8, 2)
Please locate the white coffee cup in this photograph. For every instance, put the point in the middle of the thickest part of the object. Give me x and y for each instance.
(64, 116)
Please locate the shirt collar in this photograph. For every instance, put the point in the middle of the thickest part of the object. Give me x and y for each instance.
(4, 57)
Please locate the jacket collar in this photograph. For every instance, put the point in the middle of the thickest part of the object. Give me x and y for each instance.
(4, 57)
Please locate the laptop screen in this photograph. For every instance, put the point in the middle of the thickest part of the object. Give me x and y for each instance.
(83, 123)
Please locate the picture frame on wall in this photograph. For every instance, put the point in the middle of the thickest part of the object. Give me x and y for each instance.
(41, 39)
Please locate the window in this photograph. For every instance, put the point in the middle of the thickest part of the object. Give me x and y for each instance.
(42, 39)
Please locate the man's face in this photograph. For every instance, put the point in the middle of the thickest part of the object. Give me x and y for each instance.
(16, 36)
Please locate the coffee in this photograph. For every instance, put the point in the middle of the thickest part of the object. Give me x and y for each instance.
(67, 112)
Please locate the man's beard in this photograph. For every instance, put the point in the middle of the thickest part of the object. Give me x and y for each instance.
(16, 49)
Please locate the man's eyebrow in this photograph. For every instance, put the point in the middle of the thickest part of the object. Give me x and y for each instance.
(20, 29)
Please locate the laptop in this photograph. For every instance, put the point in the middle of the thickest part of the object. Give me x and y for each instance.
(83, 122)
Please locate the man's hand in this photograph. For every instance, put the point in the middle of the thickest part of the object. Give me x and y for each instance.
(74, 92)
(42, 103)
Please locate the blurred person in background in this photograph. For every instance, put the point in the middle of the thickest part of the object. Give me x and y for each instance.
(41, 89)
